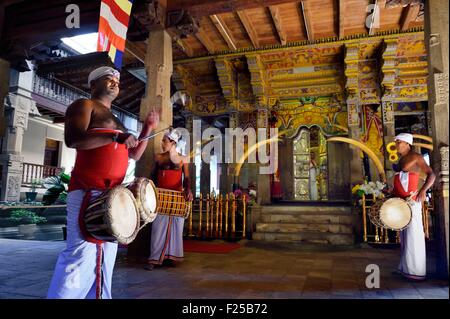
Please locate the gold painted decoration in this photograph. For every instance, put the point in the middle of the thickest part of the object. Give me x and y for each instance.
(366, 150)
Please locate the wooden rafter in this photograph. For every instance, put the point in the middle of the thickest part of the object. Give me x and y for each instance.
(252, 34)
(275, 13)
(341, 19)
(135, 51)
(409, 14)
(375, 16)
(224, 31)
(180, 43)
(204, 38)
(200, 8)
(307, 19)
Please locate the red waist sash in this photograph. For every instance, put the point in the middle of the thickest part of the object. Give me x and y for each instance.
(170, 179)
(413, 185)
(99, 168)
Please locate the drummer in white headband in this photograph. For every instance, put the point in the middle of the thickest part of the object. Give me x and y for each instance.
(103, 149)
(406, 185)
(171, 172)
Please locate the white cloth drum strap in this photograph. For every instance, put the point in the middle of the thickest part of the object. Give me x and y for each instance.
(404, 180)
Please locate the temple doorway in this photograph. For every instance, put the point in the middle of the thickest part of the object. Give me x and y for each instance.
(310, 165)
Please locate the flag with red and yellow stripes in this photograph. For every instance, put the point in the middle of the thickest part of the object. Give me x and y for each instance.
(112, 28)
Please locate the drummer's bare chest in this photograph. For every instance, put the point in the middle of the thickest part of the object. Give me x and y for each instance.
(408, 164)
(164, 163)
(103, 117)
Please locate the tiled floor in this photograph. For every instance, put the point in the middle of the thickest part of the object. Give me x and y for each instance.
(255, 270)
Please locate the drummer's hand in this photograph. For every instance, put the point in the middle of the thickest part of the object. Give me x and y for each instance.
(188, 195)
(152, 120)
(128, 139)
(421, 197)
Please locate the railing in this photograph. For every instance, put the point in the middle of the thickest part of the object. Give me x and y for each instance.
(65, 95)
(56, 92)
(379, 235)
(223, 216)
(35, 172)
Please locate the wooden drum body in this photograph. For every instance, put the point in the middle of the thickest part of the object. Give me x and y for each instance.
(144, 191)
(391, 213)
(113, 216)
(172, 203)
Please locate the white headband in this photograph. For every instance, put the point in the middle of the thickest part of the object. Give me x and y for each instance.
(405, 137)
(102, 71)
(173, 135)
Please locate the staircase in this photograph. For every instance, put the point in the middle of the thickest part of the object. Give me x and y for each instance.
(325, 225)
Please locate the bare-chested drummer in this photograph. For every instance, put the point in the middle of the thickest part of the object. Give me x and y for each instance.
(406, 184)
(84, 269)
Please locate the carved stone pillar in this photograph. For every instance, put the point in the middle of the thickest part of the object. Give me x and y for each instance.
(18, 105)
(387, 110)
(263, 181)
(4, 86)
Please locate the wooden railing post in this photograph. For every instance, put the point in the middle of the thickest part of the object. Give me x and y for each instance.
(199, 233)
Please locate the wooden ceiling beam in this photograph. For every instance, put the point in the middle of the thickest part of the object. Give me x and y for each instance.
(199, 8)
(307, 19)
(341, 19)
(180, 43)
(252, 34)
(135, 51)
(224, 31)
(375, 16)
(275, 13)
(204, 38)
(409, 14)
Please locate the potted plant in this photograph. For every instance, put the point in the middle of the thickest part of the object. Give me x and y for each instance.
(31, 195)
(27, 221)
(56, 189)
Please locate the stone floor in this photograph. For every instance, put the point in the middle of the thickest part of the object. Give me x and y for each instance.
(256, 270)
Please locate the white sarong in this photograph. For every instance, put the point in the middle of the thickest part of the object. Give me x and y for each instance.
(413, 262)
(166, 239)
(75, 270)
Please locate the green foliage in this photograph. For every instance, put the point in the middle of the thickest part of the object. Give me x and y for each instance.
(56, 189)
(23, 216)
(35, 183)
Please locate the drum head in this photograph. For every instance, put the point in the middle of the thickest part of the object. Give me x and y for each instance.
(149, 200)
(122, 215)
(395, 213)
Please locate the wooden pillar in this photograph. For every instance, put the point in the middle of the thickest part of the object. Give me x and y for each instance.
(436, 39)
(158, 65)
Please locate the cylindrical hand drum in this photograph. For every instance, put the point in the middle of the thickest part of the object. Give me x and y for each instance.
(391, 213)
(113, 216)
(172, 203)
(144, 191)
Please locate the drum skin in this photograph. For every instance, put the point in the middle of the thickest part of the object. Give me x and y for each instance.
(144, 191)
(391, 213)
(113, 216)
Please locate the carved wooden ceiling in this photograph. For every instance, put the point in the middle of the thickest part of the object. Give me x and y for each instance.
(241, 52)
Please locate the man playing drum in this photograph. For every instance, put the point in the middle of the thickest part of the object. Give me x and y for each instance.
(406, 184)
(167, 231)
(84, 269)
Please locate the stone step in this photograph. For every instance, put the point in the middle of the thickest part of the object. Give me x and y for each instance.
(306, 237)
(307, 210)
(295, 228)
(343, 219)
